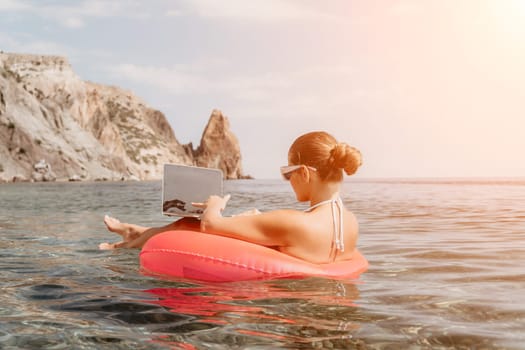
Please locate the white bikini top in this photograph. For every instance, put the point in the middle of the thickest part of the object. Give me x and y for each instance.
(338, 240)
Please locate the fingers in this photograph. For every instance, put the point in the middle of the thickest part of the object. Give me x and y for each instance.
(212, 199)
(224, 200)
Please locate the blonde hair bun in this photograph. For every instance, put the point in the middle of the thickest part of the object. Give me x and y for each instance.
(346, 157)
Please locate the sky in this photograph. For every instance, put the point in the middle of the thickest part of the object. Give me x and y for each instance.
(424, 88)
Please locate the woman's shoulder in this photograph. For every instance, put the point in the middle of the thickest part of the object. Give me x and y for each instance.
(286, 216)
(351, 219)
(287, 221)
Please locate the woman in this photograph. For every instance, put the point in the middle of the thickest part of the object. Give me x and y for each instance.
(323, 233)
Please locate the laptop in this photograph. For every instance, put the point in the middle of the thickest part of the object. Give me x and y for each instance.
(182, 185)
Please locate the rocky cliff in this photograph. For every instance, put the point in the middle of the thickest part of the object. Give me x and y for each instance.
(219, 147)
(84, 130)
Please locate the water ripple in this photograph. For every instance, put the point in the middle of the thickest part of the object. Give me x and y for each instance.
(446, 272)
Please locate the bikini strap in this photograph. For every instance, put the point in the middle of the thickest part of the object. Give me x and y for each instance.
(338, 239)
(338, 231)
(320, 204)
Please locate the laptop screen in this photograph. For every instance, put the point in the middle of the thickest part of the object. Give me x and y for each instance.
(182, 185)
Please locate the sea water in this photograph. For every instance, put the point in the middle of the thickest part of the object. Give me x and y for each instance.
(447, 271)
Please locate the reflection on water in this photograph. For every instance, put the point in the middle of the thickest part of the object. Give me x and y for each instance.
(446, 272)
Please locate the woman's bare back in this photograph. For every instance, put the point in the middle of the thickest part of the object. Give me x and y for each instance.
(316, 240)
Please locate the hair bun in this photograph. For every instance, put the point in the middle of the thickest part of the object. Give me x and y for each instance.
(346, 157)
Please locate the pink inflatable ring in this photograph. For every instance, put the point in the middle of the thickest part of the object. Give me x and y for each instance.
(207, 257)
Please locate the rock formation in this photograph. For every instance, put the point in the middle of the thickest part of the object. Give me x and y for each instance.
(42, 172)
(91, 131)
(219, 147)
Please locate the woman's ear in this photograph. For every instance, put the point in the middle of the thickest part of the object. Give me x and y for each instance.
(305, 174)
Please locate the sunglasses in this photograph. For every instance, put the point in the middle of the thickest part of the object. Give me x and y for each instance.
(287, 171)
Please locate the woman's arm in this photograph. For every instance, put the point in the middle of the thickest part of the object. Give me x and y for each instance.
(274, 228)
(253, 211)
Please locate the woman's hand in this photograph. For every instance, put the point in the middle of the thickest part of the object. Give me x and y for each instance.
(214, 204)
(213, 208)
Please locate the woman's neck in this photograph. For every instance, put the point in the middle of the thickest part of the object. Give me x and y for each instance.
(323, 191)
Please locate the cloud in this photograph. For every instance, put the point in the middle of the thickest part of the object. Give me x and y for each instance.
(175, 80)
(12, 5)
(313, 90)
(259, 10)
(10, 43)
(199, 79)
(27, 44)
(76, 15)
(73, 22)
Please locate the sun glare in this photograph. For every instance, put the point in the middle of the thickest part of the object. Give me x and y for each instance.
(510, 15)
